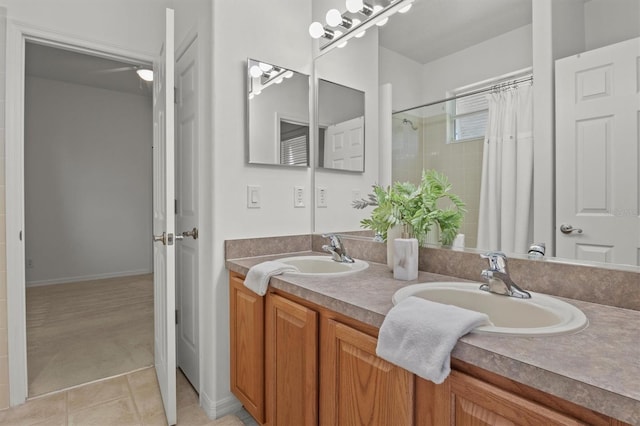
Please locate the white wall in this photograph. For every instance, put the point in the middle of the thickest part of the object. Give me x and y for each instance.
(243, 29)
(136, 25)
(623, 17)
(508, 52)
(87, 182)
(405, 76)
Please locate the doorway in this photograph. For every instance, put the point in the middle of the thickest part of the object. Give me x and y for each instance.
(88, 200)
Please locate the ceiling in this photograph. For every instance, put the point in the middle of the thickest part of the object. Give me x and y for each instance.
(78, 68)
(436, 28)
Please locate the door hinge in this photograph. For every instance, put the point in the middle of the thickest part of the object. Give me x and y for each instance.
(175, 95)
(176, 317)
(20, 235)
(175, 206)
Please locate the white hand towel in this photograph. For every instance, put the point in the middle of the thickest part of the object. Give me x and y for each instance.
(419, 335)
(259, 275)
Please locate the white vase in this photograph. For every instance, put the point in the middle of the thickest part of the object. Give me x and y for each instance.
(405, 259)
(392, 234)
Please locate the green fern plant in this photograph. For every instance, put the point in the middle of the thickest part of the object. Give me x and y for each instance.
(416, 208)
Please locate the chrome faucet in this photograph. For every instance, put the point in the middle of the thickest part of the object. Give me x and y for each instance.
(498, 279)
(336, 248)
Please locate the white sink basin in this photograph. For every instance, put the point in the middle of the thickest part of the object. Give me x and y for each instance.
(541, 315)
(323, 265)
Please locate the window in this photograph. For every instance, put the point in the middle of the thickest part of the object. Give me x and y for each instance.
(468, 111)
(469, 115)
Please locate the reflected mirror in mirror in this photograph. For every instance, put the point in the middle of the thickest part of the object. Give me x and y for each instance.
(277, 115)
(340, 127)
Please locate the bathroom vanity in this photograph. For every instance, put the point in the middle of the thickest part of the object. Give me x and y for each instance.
(305, 354)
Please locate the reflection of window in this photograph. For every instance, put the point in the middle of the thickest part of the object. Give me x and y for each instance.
(294, 144)
(469, 117)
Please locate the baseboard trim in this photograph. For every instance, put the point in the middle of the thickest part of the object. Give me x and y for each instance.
(88, 278)
(217, 409)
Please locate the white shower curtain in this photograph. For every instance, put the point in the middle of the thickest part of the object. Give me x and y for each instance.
(504, 221)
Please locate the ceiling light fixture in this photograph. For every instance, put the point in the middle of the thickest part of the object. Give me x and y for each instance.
(371, 15)
(145, 74)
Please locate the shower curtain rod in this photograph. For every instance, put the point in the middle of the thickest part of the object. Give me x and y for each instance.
(496, 86)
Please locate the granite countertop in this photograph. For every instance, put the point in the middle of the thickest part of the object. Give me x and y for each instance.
(597, 368)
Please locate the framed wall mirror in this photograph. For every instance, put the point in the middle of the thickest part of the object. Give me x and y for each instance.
(277, 115)
(341, 137)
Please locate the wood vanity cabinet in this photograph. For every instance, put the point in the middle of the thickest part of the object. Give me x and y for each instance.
(463, 400)
(246, 317)
(295, 363)
(291, 369)
(356, 386)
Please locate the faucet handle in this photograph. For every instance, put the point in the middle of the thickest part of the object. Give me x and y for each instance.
(497, 261)
(333, 239)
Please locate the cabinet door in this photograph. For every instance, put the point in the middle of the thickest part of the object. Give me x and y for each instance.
(247, 346)
(291, 363)
(476, 403)
(356, 386)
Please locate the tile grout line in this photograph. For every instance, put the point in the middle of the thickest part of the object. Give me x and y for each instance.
(133, 399)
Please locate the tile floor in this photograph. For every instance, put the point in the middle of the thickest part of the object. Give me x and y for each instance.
(129, 399)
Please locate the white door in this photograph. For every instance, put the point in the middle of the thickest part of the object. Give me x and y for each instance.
(597, 180)
(344, 145)
(187, 213)
(164, 223)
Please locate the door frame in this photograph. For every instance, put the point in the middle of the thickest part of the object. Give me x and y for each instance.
(18, 34)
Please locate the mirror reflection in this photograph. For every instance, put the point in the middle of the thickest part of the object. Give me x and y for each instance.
(340, 127)
(277, 115)
(493, 39)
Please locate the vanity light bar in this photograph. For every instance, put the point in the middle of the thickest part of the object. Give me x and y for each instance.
(356, 29)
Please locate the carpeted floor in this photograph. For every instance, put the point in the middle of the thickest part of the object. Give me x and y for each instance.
(84, 331)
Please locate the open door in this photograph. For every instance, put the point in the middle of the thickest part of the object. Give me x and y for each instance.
(164, 222)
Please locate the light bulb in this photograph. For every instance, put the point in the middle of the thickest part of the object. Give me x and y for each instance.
(279, 80)
(406, 8)
(255, 71)
(376, 9)
(145, 74)
(316, 30)
(354, 6)
(288, 74)
(334, 18)
(265, 67)
(357, 22)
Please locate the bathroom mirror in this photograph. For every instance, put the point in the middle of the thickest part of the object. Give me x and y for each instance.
(341, 136)
(277, 115)
(423, 72)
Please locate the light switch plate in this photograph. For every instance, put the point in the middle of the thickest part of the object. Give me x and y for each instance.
(254, 196)
(321, 197)
(298, 196)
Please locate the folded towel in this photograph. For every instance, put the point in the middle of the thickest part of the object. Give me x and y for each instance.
(258, 276)
(419, 335)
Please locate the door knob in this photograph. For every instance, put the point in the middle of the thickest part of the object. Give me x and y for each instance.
(165, 239)
(568, 229)
(162, 238)
(193, 233)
